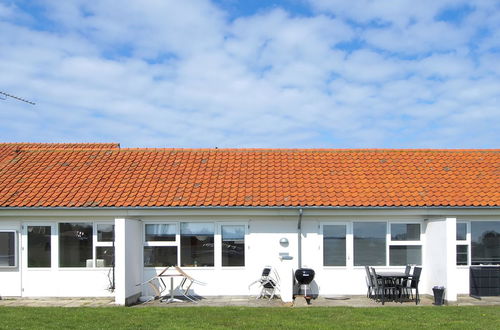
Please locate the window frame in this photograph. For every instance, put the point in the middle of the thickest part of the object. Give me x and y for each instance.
(218, 244)
(349, 247)
(175, 243)
(16, 248)
(391, 242)
(98, 243)
(466, 242)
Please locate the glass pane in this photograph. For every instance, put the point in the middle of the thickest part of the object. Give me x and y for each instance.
(405, 255)
(160, 232)
(75, 244)
(461, 231)
(105, 256)
(334, 250)
(39, 246)
(369, 243)
(462, 255)
(485, 239)
(7, 249)
(105, 233)
(405, 232)
(233, 245)
(160, 256)
(197, 244)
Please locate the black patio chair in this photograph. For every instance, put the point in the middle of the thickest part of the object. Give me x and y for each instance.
(415, 279)
(387, 289)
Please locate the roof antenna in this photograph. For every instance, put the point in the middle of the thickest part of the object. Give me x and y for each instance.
(5, 95)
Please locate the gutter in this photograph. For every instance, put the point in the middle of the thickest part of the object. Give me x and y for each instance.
(299, 233)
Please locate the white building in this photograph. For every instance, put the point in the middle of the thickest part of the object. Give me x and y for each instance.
(222, 215)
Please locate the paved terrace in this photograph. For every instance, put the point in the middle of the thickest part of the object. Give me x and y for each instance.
(344, 301)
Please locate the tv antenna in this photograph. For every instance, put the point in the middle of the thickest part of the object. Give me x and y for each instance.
(5, 95)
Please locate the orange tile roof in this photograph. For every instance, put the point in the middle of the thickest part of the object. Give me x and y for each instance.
(250, 177)
(9, 149)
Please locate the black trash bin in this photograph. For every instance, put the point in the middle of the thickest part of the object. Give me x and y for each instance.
(438, 295)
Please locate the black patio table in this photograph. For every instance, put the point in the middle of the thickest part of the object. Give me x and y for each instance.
(393, 276)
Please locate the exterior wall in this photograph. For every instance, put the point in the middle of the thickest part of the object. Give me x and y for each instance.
(55, 281)
(265, 229)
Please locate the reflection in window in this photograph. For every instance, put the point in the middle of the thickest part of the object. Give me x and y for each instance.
(75, 244)
(105, 232)
(160, 232)
(105, 256)
(233, 245)
(334, 248)
(197, 244)
(405, 232)
(160, 256)
(401, 255)
(461, 231)
(7, 249)
(369, 243)
(485, 241)
(39, 246)
(462, 255)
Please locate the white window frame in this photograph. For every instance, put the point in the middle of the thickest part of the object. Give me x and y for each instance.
(466, 242)
(98, 243)
(176, 243)
(218, 244)
(349, 239)
(16, 249)
(57, 246)
(390, 242)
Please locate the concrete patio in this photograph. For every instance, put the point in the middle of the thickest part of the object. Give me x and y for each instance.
(333, 301)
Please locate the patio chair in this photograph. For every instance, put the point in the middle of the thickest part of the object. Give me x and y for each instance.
(269, 283)
(369, 283)
(186, 283)
(387, 289)
(415, 279)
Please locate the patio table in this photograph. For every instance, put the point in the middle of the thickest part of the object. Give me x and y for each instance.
(393, 276)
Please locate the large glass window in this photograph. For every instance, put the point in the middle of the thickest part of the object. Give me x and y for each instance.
(39, 246)
(334, 245)
(8, 249)
(160, 256)
(485, 242)
(160, 232)
(405, 247)
(369, 243)
(75, 244)
(197, 244)
(233, 245)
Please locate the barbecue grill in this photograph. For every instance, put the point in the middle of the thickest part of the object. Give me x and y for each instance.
(304, 277)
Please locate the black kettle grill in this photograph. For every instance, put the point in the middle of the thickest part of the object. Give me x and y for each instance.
(304, 277)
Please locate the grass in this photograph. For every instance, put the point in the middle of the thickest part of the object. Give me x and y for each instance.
(477, 317)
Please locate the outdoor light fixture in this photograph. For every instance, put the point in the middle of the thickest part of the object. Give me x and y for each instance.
(284, 242)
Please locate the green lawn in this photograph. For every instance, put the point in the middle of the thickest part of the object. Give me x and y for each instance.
(247, 317)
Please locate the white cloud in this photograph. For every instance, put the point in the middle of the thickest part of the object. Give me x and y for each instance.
(181, 74)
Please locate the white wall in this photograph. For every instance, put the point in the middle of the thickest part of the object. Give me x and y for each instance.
(128, 260)
(439, 267)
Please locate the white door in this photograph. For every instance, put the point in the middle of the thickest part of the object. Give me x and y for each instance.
(39, 244)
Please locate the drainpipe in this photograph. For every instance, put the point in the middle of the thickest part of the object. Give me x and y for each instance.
(299, 231)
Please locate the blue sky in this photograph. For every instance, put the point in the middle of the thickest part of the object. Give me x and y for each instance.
(227, 73)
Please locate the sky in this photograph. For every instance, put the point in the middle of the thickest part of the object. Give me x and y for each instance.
(252, 74)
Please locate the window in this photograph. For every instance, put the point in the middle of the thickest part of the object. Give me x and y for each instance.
(8, 249)
(39, 246)
(462, 244)
(369, 243)
(334, 245)
(405, 247)
(104, 249)
(233, 245)
(197, 244)
(485, 242)
(160, 245)
(75, 244)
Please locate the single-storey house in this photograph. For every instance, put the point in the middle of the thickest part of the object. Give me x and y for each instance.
(97, 219)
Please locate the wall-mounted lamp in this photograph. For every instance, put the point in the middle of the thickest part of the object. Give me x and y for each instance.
(284, 242)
